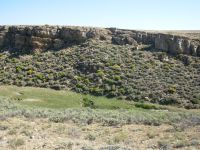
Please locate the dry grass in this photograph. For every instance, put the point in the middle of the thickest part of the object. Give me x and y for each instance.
(193, 34)
(42, 134)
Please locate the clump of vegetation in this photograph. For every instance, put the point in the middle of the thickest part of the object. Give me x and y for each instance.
(14, 143)
(164, 144)
(146, 106)
(90, 137)
(86, 102)
(172, 89)
(120, 137)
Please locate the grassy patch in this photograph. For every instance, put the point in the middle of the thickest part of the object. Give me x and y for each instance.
(62, 106)
(48, 98)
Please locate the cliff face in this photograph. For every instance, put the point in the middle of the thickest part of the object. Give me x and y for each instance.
(40, 38)
(176, 44)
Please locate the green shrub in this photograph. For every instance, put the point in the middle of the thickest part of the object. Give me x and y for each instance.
(30, 72)
(61, 74)
(18, 69)
(133, 67)
(90, 137)
(145, 106)
(78, 78)
(57, 87)
(86, 102)
(166, 66)
(195, 101)
(110, 81)
(172, 89)
(117, 78)
(116, 67)
(97, 91)
(40, 76)
(168, 101)
(100, 73)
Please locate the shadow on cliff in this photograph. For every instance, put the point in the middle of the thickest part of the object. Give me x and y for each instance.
(14, 52)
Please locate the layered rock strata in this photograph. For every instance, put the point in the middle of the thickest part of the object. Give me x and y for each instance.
(30, 39)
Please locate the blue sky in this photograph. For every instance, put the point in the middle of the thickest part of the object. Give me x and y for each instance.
(131, 14)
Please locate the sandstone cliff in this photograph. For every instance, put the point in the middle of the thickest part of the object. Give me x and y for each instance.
(30, 39)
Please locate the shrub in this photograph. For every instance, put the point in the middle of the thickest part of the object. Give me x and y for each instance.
(117, 78)
(30, 72)
(163, 144)
(112, 94)
(195, 101)
(18, 69)
(120, 137)
(56, 87)
(185, 59)
(16, 143)
(40, 76)
(145, 106)
(90, 137)
(162, 56)
(116, 67)
(86, 102)
(133, 67)
(168, 101)
(100, 73)
(97, 91)
(110, 81)
(172, 89)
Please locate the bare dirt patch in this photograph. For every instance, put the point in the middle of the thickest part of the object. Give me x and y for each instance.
(32, 100)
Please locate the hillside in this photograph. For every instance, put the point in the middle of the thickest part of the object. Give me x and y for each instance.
(131, 65)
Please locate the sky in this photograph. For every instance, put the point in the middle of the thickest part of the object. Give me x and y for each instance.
(129, 14)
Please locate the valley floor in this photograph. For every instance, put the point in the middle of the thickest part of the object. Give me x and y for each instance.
(44, 119)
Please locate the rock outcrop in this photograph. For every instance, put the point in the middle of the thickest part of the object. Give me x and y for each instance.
(176, 44)
(40, 38)
(34, 38)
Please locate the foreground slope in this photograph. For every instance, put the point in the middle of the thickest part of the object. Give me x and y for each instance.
(39, 118)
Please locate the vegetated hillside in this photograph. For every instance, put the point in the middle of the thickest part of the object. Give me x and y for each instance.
(101, 68)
